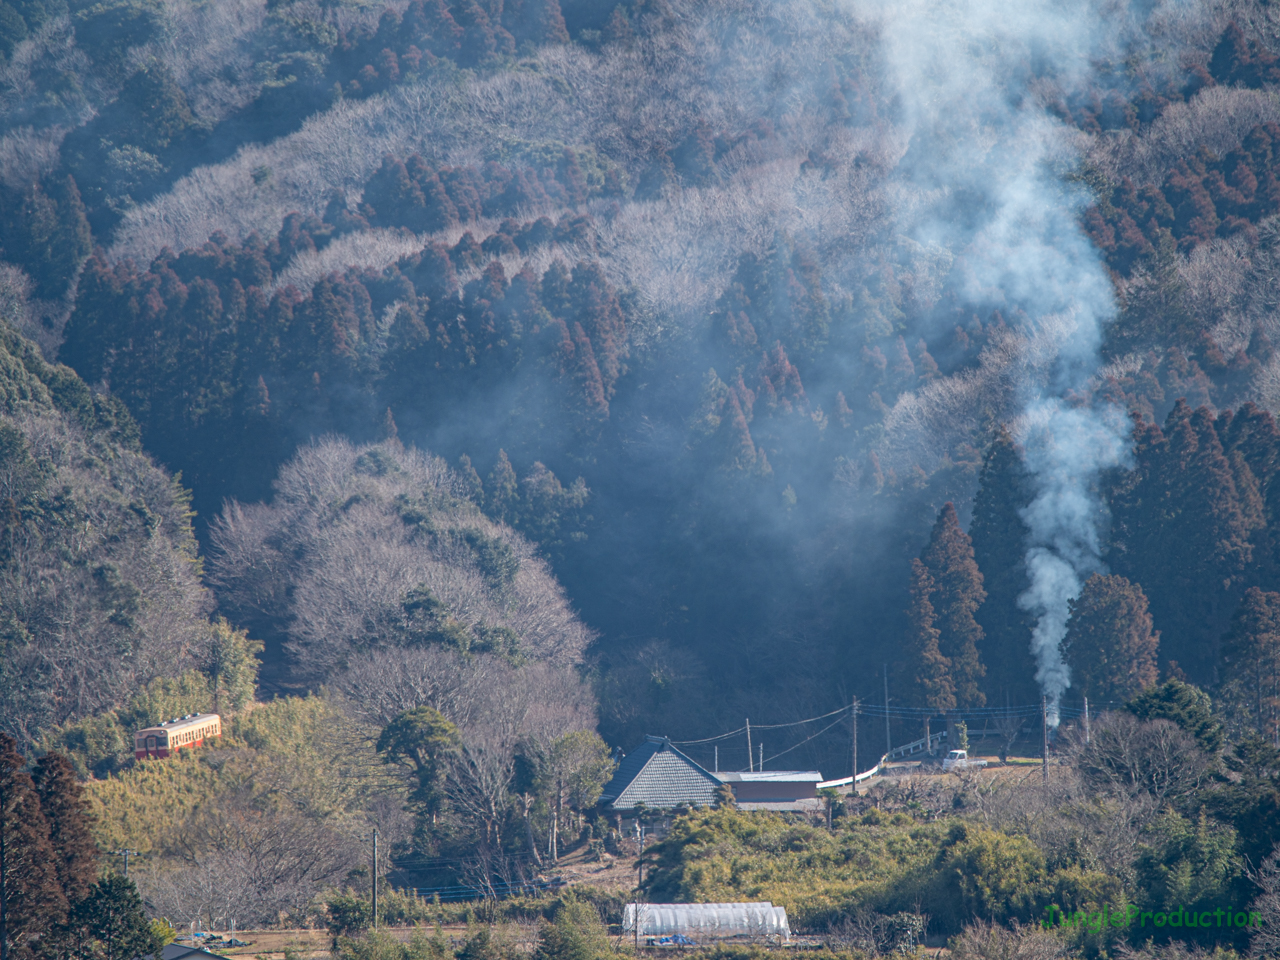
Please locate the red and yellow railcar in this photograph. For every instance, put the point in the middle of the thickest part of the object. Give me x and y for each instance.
(172, 735)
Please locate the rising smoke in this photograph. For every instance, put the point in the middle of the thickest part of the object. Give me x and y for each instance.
(972, 76)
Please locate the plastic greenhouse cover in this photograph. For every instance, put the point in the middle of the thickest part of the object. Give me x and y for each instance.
(708, 920)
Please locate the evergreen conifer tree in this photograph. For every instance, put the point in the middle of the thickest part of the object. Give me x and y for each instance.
(1181, 532)
(957, 596)
(999, 548)
(502, 491)
(927, 671)
(112, 917)
(66, 811)
(31, 900)
(1110, 645)
(1250, 666)
(471, 481)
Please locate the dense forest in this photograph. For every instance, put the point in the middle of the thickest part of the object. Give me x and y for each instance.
(523, 377)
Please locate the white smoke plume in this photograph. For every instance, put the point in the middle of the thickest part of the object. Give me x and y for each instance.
(983, 176)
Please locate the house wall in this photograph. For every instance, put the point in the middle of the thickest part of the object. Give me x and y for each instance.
(773, 791)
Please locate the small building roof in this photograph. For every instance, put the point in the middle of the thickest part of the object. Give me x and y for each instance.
(656, 774)
(178, 951)
(773, 776)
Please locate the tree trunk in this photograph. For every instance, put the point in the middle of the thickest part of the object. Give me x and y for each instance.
(555, 823)
(528, 826)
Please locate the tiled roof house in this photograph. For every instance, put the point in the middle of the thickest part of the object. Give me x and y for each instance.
(657, 775)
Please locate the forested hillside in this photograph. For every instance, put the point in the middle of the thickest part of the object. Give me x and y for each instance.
(708, 310)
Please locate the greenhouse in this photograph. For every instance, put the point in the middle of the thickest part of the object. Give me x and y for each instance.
(707, 920)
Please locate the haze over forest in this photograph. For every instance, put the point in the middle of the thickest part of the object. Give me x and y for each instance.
(650, 365)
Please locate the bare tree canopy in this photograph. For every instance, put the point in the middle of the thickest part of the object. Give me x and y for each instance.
(99, 579)
(373, 547)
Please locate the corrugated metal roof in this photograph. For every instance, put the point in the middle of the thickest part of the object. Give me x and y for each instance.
(658, 775)
(772, 776)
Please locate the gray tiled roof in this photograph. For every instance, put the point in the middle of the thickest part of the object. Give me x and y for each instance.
(658, 775)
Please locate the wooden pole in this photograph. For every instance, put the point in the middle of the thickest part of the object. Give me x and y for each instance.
(855, 744)
(750, 759)
(1044, 746)
(888, 738)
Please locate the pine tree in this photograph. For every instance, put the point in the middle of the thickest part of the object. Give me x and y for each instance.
(1250, 665)
(502, 491)
(66, 810)
(1110, 645)
(31, 901)
(928, 672)
(958, 594)
(112, 915)
(999, 548)
(471, 481)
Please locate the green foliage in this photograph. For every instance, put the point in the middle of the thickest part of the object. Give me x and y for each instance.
(103, 743)
(982, 874)
(1188, 863)
(488, 943)
(48, 234)
(301, 752)
(322, 760)
(107, 29)
(420, 739)
(1186, 705)
(726, 855)
(575, 933)
(231, 666)
(164, 932)
(112, 915)
(579, 766)
(225, 683)
(349, 914)
(495, 558)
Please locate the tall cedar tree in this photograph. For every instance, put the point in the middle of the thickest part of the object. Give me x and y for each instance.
(926, 670)
(1250, 667)
(31, 901)
(999, 548)
(957, 596)
(66, 810)
(1110, 645)
(1181, 531)
(112, 915)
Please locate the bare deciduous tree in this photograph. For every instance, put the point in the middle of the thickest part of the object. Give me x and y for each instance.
(1132, 756)
(354, 534)
(990, 941)
(250, 860)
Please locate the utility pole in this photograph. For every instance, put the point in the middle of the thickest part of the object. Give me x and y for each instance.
(717, 758)
(1086, 719)
(1044, 746)
(126, 854)
(888, 739)
(760, 765)
(375, 879)
(750, 758)
(855, 745)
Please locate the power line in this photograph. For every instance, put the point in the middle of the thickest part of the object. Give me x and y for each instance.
(806, 740)
(1022, 711)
